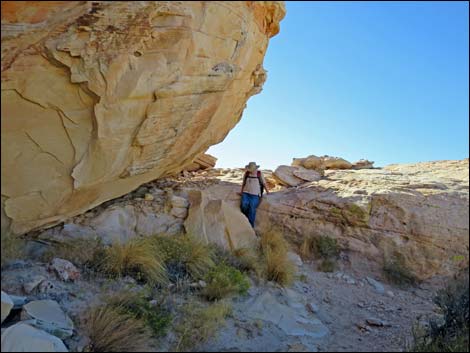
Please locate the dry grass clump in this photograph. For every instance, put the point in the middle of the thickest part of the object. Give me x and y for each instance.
(199, 323)
(12, 248)
(183, 254)
(135, 258)
(277, 266)
(111, 330)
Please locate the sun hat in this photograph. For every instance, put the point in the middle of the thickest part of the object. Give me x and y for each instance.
(252, 166)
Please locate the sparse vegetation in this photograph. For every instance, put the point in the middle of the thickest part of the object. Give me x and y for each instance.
(277, 266)
(199, 323)
(453, 334)
(135, 258)
(224, 280)
(244, 259)
(396, 271)
(81, 252)
(12, 247)
(156, 317)
(111, 330)
(327, 265)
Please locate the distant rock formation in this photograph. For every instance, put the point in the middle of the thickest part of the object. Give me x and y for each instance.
(100, 97)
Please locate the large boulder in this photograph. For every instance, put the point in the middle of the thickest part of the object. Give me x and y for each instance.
(217, 221)
(285, 175)
(48, 316)
(25, 338)
(416, 214)
(99, 97)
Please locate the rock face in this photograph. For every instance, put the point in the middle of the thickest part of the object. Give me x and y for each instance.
(328, 162)
(101, 97)
(417, 212)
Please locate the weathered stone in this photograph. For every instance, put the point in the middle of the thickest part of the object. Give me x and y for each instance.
(177, 201)
(379, 288)
(25, 338)
(115, 94)
(64, 269)
(307, 175)
(179, 212)
(116, 224)
(148, 197)
(48, 316)
(363, 164)
(294, 258)
(151, 224)
(217, 221)
(285, 174)
(31, 285)
(7, 305)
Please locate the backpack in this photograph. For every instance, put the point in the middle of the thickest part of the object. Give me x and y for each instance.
(258, 176)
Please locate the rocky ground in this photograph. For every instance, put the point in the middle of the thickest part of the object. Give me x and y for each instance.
(320, 312)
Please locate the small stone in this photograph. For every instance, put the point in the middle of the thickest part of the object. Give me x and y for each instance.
(46, 287)
(349, 279)
(178, 201)
(179, 212)
(148, 197)
(294, 258)
(390, 293)
(376, 322)
(313, 308)
(379, 288)
(202, 284)
(30, 286)
(64, 269)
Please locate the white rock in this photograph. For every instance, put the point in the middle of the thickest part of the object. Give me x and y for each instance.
(64, 269)
(24, 338)
(377, 285)
(179, 212)
(181, 202)
(7, 305)
(294, 258)
(116, 224)
(148, 197)
(48, 316)
(307, 174)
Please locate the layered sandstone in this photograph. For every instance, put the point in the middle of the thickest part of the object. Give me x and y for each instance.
(417, 212)
(100, 97)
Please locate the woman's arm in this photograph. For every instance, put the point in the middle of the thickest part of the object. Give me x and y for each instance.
(263, 181)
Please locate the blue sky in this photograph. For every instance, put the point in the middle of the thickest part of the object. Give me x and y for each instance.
(386, 81)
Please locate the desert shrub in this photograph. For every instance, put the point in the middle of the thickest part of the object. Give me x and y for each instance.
(199, 323)
(12, 247)
(111, 330)
(327, 265)
(244, 259)
(324, 248)
(135, 259)
(277, 266)
(223, 280)
(81, 252)
(396, 272)
(183, 255)
(453, 334)
(156, 317)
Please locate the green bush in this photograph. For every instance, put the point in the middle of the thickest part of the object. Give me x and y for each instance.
(323, 246)
(453, 334)
(224, 280)
(12, 247)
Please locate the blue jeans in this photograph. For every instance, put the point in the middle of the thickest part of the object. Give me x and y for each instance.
(249, 204)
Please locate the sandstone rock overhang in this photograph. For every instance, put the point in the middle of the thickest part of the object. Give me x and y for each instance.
(100, 97)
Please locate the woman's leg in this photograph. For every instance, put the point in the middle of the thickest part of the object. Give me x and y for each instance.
(245, 204)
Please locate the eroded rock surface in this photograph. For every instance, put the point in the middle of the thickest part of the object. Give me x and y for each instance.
(100, 97)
